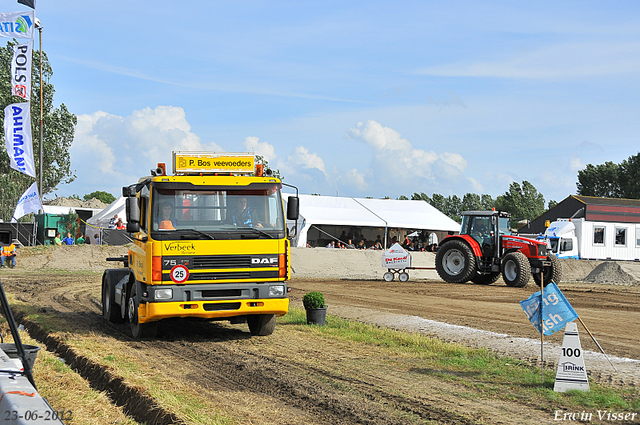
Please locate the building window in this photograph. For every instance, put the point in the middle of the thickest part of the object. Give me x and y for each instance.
(621, 236)
(598, 235)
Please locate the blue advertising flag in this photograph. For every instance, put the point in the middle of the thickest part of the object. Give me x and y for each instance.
(556, 310)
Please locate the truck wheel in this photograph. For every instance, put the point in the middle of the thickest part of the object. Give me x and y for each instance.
(551, 273)
(138, 330)
(516, 269)
(455, 262)
(262, 324)
(110, 310)
(485, 279)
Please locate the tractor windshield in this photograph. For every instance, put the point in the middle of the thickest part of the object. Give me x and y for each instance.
(504, 227)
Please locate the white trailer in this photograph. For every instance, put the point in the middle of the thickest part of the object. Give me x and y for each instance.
(594, 240)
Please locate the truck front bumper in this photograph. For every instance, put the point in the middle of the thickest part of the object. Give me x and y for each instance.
(153, 311)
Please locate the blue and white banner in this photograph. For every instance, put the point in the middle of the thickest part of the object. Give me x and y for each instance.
(17, 138)
(21, 70)
(17, 24)
(556, 310)
(29, 202)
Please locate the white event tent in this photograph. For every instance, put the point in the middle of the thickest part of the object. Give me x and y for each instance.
(328, 214)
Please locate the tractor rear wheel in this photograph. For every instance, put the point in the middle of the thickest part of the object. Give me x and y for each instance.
(485, 279)
(455, 262)
(552, 273)
(516, 269)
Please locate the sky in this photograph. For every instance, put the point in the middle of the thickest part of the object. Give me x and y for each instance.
(349, 98)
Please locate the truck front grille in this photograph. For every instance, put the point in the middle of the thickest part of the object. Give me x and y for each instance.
(221, 262)
(220, 306)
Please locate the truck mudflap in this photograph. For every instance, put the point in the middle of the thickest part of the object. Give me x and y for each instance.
(151, 312)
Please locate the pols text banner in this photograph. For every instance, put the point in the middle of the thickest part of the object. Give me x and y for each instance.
(17, 24)
(21, 70)
(29, 202)
(17, 138)
(556, 310)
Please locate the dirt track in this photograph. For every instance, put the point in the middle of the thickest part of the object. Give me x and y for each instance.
(311, 383)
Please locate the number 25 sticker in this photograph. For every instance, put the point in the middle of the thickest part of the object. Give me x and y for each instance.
(179, 273)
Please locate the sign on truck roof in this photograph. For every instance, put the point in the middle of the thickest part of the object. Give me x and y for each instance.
(208, 162)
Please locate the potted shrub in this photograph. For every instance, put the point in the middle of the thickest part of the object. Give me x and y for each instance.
(316, 308)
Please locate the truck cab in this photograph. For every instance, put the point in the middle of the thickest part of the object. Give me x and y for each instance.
(210, 242)
(561, 235)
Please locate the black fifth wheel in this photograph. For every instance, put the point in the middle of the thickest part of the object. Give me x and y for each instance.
(455, 262)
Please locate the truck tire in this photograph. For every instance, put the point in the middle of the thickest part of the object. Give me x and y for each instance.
(261, 324)
(455, 262)
(110, 310)
(516, 269)
(551, 273)
(138, 330)
(485, 279)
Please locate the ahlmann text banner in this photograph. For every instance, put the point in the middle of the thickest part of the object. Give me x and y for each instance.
(17, 138)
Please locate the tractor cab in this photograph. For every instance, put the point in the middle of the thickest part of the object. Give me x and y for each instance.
(486, 227)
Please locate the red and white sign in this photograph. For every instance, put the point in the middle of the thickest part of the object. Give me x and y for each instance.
(179, 273)
(396, 257)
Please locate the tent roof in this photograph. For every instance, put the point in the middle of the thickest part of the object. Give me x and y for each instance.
(116, 207)
(405, 214)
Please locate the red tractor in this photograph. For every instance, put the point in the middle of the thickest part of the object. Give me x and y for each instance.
(486, 247)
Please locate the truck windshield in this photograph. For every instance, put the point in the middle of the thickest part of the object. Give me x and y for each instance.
(258, 210)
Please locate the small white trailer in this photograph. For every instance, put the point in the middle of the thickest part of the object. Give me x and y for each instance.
(594, 240)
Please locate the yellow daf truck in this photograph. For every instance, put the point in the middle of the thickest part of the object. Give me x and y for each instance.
(209, 242)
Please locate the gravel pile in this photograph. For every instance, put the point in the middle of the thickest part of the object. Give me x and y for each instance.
(610, 273)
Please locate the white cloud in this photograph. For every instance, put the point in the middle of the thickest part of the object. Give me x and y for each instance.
(264, 149)
(354, 179)
(301, 157)
(568, 60)
(397, 163)
(123, 149)
(575, 164)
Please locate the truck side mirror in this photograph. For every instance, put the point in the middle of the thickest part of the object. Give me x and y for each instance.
(128, 191)
(133, 211)
(133, 227)
(293, 208)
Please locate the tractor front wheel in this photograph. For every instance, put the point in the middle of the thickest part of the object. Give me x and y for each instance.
(455, 262)
(516, 269)
(552, 273)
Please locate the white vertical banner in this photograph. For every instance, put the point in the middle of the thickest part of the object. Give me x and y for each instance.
(21, 70)
(17, 138)
(29, 202)
(17, 24)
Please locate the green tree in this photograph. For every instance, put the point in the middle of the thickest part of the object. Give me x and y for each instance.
(402, 198)
(438, 201)
(471, 202)
(521, 201)
(421, 197)
(629, 177)
(58, 124)
(105, 197)
(487, 202)
(552, 204)
(454, 207)
(600, 180)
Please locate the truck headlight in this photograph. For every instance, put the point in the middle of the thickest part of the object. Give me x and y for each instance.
(276, 291)
(164, 294)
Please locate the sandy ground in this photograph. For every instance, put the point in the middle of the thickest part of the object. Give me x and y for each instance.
(350, 384)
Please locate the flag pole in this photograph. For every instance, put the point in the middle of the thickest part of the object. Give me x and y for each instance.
(541, 327)
(594, 340)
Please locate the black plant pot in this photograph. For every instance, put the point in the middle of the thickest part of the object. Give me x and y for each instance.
(316, 316)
